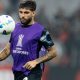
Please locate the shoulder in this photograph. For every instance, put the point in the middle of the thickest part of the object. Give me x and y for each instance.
(16, 27)
(17, 24)
(39, 26)
(46, 39)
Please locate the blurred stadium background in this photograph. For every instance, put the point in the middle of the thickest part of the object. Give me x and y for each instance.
(62, 19)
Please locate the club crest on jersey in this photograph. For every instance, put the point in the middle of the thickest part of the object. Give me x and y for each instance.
(20, 38)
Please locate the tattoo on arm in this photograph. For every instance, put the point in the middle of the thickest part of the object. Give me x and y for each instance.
(51, 54)
(5, 52)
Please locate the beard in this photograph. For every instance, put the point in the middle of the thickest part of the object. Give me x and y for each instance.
(25, 21)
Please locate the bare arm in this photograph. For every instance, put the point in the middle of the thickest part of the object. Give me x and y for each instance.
(50, 55)
(5, 52)
(47, 42)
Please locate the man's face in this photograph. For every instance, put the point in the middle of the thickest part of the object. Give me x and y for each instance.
(25, 15)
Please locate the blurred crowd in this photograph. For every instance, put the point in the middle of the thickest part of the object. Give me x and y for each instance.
(65, 32)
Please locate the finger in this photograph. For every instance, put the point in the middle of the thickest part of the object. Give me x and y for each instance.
(26, 65)
(29, 67)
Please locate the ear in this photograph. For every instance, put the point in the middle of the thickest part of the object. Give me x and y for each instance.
(34, 13)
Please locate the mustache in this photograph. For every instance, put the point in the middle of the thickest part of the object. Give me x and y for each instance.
(22, 18)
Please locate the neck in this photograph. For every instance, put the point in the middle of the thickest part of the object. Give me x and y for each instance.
(32, 21)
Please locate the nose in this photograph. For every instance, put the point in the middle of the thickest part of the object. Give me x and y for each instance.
(22, 15)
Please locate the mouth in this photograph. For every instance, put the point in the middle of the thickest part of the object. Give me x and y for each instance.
(23, 20)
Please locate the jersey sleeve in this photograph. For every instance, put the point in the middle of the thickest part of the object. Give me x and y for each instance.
(46, 40)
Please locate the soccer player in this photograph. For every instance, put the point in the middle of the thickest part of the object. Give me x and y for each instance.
(25, 43)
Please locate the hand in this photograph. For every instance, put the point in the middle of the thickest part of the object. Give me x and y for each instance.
(30, 65)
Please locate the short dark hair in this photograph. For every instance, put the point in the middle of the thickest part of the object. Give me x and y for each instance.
(29, 4)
